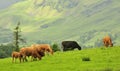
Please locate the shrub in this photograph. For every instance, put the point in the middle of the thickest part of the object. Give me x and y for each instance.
(6, 50)
(55, 47)
(3, 54)
(85, 59)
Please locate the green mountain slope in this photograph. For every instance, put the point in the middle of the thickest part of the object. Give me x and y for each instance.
(57, 20)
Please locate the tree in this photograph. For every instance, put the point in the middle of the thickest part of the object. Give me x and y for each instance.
(17, 37)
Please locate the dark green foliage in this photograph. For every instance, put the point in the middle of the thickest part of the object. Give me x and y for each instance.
(85, 59)
(2, 54)
(55, 47)
(17, 37)
(6, 50)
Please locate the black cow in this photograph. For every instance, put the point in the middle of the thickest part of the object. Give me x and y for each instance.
(70, 45)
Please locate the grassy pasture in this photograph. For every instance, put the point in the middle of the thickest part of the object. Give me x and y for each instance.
(100, 59)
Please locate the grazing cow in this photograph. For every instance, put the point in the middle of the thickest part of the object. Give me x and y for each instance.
(70, 45)
(26, 51)
(107, 41)
(16, 55)
(37, 53)
(44, 47)
(31, 51)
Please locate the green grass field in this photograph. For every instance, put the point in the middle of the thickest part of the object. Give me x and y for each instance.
(101, 59)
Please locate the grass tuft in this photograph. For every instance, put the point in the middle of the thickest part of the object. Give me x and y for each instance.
(86, 59)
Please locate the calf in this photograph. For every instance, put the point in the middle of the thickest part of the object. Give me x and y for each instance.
(16, 55)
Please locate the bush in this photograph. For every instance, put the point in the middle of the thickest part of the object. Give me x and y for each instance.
(2, 54)
(55, 47)
(6, 50)
(85, 59)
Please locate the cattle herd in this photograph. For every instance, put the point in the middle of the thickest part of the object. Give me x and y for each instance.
(37, 51)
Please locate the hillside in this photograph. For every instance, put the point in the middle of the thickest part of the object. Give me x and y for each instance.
(57, 20)
(101, 59)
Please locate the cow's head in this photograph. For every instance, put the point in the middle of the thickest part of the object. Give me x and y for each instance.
(111, 44)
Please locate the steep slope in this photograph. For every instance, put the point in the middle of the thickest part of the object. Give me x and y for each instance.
(84, 21)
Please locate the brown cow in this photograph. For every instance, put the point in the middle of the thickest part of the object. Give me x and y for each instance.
(107, 41)
(44, 47)
(37, 53)
(16, 55)
(31, 51)
(26, 51)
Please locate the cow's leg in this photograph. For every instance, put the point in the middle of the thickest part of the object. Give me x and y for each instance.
(110, 43)
(20, 59)
(64, 49)
(72, 48)
(47, 53)
(32, 57)
(15, 60)
(39, 56)
(106, 43)
(12, 59)
(24, 58)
